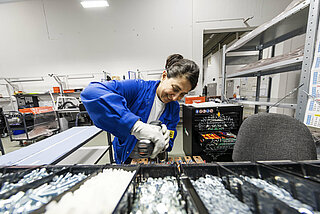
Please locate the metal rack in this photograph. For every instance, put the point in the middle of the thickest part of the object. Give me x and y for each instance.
(27, 127)
(7, 100)
(297, 20)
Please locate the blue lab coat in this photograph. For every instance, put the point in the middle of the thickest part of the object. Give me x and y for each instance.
(115, 106)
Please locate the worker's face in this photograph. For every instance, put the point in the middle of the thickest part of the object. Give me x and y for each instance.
(172, 89)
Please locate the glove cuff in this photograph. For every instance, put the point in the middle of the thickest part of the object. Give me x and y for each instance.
(136, 127)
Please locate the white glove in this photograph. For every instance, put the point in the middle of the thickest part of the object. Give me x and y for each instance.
(143, 131)
(166, 134)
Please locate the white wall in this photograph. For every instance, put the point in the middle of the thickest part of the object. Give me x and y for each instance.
(59, 36)
(212, 70)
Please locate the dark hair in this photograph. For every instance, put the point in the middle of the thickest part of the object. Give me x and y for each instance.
(177, 66)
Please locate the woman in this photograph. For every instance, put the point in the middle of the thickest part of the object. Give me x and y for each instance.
(124, 108)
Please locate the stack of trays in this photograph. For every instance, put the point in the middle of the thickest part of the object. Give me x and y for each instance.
(262, 187)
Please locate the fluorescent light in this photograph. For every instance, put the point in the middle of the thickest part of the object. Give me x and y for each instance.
(26, 79)
(91, 4)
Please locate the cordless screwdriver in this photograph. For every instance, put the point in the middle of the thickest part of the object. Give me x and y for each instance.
(144, 147)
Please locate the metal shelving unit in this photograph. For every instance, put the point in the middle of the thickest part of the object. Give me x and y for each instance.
(301, 18)
(5, 99)
(289, 103)
(278, 67)
(286, 25)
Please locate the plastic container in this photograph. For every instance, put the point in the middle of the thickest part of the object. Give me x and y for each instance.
(154, 171)
(257, 199)
(17, 132)
(93, 170)
(307, 170)
(56, 89)
(305, 190)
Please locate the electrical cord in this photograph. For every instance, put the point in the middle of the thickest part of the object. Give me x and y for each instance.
(65, 103)
(291, 92)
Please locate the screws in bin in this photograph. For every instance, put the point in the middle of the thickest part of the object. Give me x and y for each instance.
(279, 193)
(159, 195)
(25, 202)
(216, 198)
(28, 178)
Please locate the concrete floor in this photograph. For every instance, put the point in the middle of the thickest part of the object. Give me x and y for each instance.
(10, 146)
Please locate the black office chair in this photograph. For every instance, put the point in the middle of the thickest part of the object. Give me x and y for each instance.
(268, 136)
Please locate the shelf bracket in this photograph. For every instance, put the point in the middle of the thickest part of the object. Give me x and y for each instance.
(312, 28)
(59, 81)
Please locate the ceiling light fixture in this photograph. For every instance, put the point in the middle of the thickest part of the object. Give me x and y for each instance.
(92, 4)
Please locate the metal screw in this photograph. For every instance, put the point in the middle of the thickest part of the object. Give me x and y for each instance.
(216, 198)
(32, 199)
(159, 195)
(278, 192)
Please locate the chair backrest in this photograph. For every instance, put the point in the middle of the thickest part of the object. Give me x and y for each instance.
(268, 136)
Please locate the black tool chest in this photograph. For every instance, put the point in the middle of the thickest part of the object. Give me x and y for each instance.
(300, 179)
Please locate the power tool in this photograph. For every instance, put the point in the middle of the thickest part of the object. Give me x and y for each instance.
(144, 148)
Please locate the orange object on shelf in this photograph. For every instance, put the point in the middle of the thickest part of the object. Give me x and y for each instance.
(191, 100)
(68, 91)
(37, 110)
(18, 92)
(198, 159)
(56, 90)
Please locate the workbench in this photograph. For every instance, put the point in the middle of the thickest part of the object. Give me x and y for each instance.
(53, 149)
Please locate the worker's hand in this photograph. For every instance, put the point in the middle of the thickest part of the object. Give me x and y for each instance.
(150, 132)
(166, 134)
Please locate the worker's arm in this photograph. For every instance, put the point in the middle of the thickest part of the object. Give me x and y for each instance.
(106, 104)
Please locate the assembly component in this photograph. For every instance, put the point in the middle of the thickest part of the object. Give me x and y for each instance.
(216, 197)
(155, 172)
(88, 171)
(10, 188)
(300, 188)
(159, 195)
(112, 181)
(255, 198)
(279, 193)
(307, 170)
(8, 173)
(33, 199)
